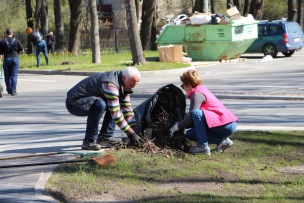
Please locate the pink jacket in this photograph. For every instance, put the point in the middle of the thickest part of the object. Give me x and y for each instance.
(215, 112)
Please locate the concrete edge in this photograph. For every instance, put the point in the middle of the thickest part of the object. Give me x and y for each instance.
(236, 97)
(143, 73)
(39, 187)
(81, 73)
(41, 183)
(259, 97)
(241, 127)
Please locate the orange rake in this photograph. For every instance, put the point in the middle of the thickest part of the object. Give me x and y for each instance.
(102, 161)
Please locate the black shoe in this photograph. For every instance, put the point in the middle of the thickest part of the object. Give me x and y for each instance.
(109, 140)
(14, 93)
(89, 144)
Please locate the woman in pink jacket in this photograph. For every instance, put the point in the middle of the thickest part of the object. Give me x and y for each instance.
(208, 121)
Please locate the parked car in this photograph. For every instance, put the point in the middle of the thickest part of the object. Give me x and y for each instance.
(277, 36)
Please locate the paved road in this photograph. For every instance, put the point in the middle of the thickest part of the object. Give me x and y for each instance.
(263, 96)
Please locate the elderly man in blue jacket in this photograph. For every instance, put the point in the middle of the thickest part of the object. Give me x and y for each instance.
(105, 93)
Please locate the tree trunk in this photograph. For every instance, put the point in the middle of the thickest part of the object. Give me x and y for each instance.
(138, 6)
(256, 9)
(212, 6)
(238, 4)
(29, 12)
(292, 10)
(148, 12)
(246, 7)
(30, 23)
(43, 18)
(75, 10)
(59, 32)
(37, 14)
(230, 4)
(198, 6)
(300, 13)
(135, 43)
(94, 32)
(153, 34)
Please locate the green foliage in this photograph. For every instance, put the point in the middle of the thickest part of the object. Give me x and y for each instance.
(12, 15)
(115, 61)
(275, 11)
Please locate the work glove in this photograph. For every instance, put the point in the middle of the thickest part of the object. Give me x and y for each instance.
(135, 140)
(174, 129)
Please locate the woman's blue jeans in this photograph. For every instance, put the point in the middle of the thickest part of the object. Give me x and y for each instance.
(41, 47)
(204, 135)
(94, 115)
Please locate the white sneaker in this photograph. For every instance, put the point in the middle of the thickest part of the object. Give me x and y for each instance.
(200, 150)
(226, 143)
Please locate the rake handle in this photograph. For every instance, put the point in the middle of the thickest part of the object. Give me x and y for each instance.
(44, 163)
(26, 156)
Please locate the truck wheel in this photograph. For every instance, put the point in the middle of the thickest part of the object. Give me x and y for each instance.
(288, 53)
(270, 49)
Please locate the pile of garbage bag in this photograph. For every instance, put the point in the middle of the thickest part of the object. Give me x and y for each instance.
(207, 18)
(158, 113)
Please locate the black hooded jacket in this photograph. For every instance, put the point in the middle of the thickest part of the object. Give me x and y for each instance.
(10, 47)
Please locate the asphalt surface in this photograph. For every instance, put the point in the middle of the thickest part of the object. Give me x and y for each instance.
(264, 96)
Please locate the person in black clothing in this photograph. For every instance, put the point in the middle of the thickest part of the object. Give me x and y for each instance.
(50, 42)
(10, 47)
(37, 39)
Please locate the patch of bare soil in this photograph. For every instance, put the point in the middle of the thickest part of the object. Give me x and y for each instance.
(120, 194)
(291, 169)
(188, 186)
(69, 63)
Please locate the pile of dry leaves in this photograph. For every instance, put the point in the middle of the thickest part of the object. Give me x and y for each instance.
(158, 139)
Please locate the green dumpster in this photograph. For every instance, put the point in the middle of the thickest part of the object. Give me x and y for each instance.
(211, 42)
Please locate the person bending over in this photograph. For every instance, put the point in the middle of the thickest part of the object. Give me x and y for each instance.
(105, 94)
(37, 40)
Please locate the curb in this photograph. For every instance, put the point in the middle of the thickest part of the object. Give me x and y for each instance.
(41, 183)
(259, 97)
(236, 97)
(143, 73)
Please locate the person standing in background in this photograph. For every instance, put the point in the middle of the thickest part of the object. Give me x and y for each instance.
(50, 42)
(37, 39)
(10, 47)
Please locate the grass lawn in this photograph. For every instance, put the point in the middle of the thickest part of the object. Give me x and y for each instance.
(83, 62)
(246, 172)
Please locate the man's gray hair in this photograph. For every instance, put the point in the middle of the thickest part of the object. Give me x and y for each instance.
(130, 72)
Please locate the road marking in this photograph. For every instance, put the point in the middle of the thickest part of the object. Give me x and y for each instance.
(267, 128)
(40, 140)
(27, 80)
(285, 74)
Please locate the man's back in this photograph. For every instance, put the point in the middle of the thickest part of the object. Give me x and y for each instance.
(10, 47)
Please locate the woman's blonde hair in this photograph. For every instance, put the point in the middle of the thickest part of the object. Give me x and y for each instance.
(191, 77)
